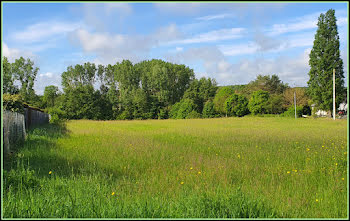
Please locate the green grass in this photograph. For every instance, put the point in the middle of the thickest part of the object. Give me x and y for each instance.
(214, 168)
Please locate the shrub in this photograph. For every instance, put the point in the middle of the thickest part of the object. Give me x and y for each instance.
(208, 110)
(259, 102)
(291, 112)
(13, 103)
(193, 114)
(236, 105)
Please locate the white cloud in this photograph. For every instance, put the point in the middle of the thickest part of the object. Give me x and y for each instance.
(302, 23)
(214, 17)
(124, 8)
(212, 36)
(183, 8)
(290, 69)
(13, 53)
(43, 31)
(47, 74)
(45, 79)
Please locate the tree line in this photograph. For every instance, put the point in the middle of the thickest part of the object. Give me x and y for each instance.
(155, 89)
(152, 89)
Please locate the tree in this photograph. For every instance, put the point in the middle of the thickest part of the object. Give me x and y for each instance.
(258, 103)
(208, 110)
(8, 77)
(236, 105)
(50, 95)
(300, 94)
(271, 84)
(24, 71)
(324, 57)
(220, 98)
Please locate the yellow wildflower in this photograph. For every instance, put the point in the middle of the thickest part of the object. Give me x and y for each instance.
(50, 172)
(191, 168)
(182, 183)
(288, 171)
(199, 172)
(316, 200)
(113, 193)
(342, 178)
(307, 149)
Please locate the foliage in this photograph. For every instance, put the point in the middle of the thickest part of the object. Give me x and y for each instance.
(236, 105)
(24, 71)
(291, 112)
(259, 102)
(13, 103)
(324, 57)
(50, 94)
(271, 84)
(300, 94)
(209, 110)
(8, 77)
(222, 94)
(275, 104)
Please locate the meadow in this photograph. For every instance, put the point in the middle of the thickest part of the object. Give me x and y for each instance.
(200, 168)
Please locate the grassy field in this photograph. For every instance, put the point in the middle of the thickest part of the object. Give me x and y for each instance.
(223, 168)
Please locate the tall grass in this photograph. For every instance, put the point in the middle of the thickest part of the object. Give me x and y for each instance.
(212, 168)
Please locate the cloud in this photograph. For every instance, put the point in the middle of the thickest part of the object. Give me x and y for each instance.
(102, 16)
(45, 79)
(115, 47)
(215, 17)
(291, 69)
(47, 74)
(13, 53)
(212, 36)
(175, 8)
(44, 30)
(302, 23)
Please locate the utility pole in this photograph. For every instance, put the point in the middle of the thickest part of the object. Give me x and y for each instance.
(333, 94)
(295, 105)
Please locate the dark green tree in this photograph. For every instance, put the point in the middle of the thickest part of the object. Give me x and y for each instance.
(324, 57)
(236, 105)
(219, 100)
(259, 102)
(208, 110)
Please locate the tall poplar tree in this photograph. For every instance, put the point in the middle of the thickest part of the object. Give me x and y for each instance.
(324, 57)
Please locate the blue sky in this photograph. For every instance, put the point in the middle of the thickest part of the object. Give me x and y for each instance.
(231, 42)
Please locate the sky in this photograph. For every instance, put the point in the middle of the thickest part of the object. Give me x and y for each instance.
(231, 42)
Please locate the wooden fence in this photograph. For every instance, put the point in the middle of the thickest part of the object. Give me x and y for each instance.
(15, 125)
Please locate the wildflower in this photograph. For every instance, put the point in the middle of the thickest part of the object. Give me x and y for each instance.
(307, 149)
(50, 172)
(288, 172)
(342, 178)
(216, 154)
(199, 172)
(191, 168)
(316, 200)
(113, 193)
(336, 164)
(182, 183)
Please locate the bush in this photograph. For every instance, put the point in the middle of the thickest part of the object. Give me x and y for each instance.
(208, 110)
(291, 112)
(13, 103)
(193, 115)
(186, 107)
(236, 105)
(259, 102)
